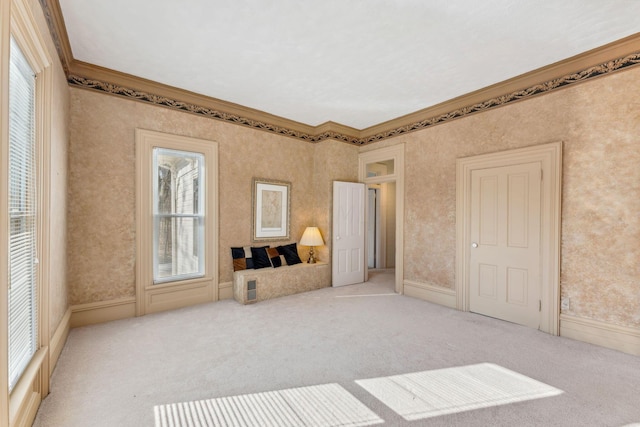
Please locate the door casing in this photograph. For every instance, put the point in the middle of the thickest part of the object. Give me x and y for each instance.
(550, 158)
(395, 153)
(505, 262)
(375, 223)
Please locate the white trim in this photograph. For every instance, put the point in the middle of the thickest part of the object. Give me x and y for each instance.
(550, 158)
(430, 293)
(5, 36)
(24, 30)
(152, 298)
(102, 311)
(27, 394)
(225, 290)
(616, 337)
(395, 153)
(44, 95)
(121, 308)
(58, 340)
(18, 20)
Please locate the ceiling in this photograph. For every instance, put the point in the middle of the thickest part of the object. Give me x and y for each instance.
(355, 62)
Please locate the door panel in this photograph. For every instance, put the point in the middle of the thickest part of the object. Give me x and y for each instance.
(488, 220)
(348, 233)
(518, 210)
(488, 281)
(505, 257)
(517, 286)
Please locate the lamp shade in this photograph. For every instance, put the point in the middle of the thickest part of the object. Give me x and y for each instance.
(311, 237)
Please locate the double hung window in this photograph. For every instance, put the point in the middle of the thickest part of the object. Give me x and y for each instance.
(176, 236)
(23, 196)
(178, 225)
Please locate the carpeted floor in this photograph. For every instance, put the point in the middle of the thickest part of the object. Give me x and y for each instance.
(116, 374)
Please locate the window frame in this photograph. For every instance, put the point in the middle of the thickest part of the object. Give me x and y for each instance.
(166, 295)
(26, 246)
(198, 216)
(17, 21)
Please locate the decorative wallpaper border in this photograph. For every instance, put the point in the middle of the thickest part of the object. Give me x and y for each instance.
(204, 111)
(538, 89)
(55, 36)
(163, 101)
(596, 71)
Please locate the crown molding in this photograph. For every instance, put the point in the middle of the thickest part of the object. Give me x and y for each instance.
(593, 63)
(604, 60)
(89, 76)
(57, 29)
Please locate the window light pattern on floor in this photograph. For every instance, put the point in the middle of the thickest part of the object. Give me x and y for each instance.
(325, 405)
(446, 391)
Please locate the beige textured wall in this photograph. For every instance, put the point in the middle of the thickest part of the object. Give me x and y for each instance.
(102, 186)
(333, 161)
(101, 208)
(599, 123)
(57, 178)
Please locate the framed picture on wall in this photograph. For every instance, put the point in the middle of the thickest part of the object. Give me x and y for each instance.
(271, 208)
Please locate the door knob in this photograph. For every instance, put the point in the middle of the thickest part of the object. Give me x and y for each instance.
(337, 237)
(474, 245)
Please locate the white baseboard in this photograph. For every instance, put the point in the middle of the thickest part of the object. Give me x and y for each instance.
(59, 338)
(431, 293)
(103, 311)
(225, 290)
(621, 338)
(122, 308)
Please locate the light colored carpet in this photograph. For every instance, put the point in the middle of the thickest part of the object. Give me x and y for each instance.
(327, 405)
(114, 374)
(450, 390)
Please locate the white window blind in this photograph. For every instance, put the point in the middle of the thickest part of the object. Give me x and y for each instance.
(178, 226)
(23, 336)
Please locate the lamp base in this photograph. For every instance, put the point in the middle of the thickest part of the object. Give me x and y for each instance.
(312, 258)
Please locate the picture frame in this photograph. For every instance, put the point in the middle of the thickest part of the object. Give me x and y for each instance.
(271, 210)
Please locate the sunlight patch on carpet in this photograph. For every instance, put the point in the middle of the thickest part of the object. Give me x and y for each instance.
(447, 391)
(325, 405)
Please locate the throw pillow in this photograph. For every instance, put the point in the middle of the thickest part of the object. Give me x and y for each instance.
(242, 258)
(275, 257)
(260, 257)
(290, 253)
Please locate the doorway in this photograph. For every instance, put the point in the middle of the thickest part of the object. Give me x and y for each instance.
(513, 182)
(382, 171)
(381, 226)
(374, 232)
(504, 262)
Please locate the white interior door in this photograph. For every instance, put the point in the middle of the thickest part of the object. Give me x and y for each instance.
(348, 233)
(505, 259)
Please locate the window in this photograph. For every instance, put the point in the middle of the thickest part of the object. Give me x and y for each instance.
(382, 168)
(178, 232)
(176, 221)
(25, 152)
(23, 313)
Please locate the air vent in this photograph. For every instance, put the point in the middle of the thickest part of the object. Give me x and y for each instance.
(252, 292)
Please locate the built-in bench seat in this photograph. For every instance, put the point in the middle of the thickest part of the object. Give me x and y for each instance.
(251, 286)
